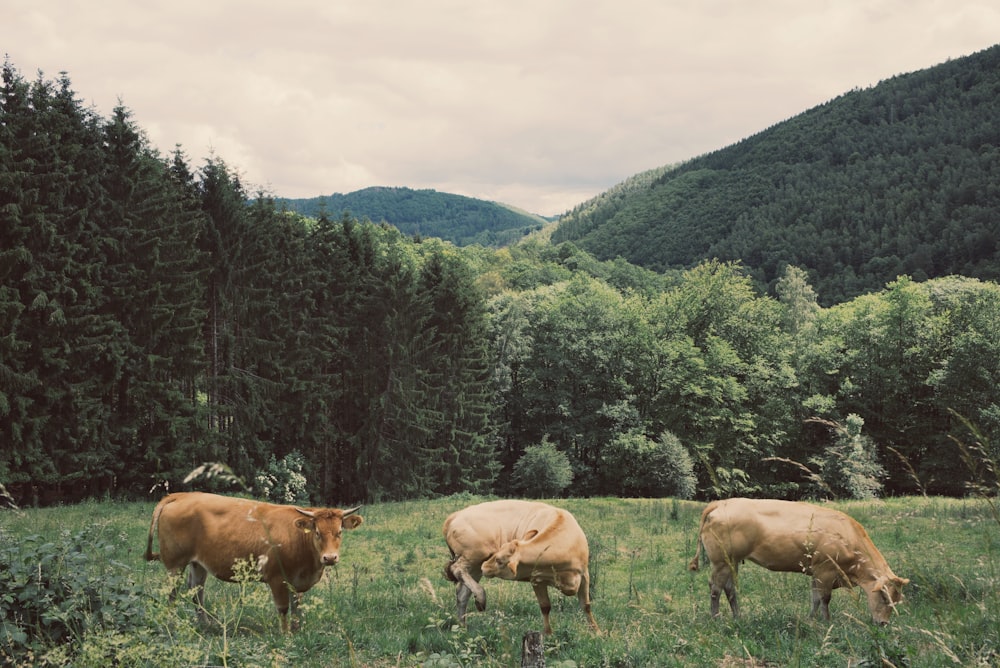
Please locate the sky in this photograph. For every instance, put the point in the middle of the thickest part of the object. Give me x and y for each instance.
(539, 104)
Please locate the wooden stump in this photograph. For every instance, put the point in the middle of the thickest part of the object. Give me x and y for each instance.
(532, 650)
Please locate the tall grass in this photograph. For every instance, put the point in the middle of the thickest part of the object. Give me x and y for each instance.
(388, 604)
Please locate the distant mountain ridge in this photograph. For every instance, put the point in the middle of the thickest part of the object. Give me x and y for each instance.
(428, 213)
(903, 177)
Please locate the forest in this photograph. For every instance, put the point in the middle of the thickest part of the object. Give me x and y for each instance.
(899, 178)
(428, 213)
(158, 319)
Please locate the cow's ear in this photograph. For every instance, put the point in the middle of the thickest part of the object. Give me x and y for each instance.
(531, 534)
(305, 525)
(352, 521)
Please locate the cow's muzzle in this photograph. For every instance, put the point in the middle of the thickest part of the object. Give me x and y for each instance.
(330, 559)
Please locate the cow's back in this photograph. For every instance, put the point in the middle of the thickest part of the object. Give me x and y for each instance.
(778, 534)
(215, 530)
(478, 531)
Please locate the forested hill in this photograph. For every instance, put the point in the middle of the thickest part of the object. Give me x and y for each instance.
(899, 178)
(428, 213)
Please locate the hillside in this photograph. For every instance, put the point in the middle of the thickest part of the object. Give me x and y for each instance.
(428, 213)
(900, 178)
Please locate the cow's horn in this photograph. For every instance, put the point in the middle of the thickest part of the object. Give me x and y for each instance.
(305, 512)
(352, 511)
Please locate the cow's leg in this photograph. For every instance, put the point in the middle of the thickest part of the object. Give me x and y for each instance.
(295, 609)
(723, 579)
(467, 576)
(730, 589)
(281, 595)
(176, 578)
(542, 594)
(820, 600)
(583, 594)
(578, 584)
(196, 577)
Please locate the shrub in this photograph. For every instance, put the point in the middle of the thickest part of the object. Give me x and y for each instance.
(848, 468)
(542, 471)
(284, 481)
(50, 594)
(635, 465)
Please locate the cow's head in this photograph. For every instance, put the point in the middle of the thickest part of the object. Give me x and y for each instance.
(883, 597)
(503, 563)
(326, 527)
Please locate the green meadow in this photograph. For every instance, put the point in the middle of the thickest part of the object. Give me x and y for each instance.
(77, 574)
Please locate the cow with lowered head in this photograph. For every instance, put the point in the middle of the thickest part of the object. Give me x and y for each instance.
(526, 541)
(790, 536)
(288, 546)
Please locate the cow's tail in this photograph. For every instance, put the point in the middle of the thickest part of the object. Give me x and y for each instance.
(447, 567)
(150, 555)
(693, 565)
(696, 561)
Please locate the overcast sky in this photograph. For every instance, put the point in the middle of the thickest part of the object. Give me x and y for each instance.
(541, 104)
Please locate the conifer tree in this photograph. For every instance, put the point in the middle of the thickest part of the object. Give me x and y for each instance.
(18, 377)
(235, 393)
(153, 273)
(56, 158)
(463, 447)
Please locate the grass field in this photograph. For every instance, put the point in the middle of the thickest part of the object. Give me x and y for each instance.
(388, 604)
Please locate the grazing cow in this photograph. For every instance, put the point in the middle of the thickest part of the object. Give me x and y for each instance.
(791, 536)
(526, 541)
(288, 546)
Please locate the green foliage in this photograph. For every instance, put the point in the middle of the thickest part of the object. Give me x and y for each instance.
(542, 471)
(798, 299)
(848, 468)
(635, 465)
(283, 481)
(52, 594)
(983, 464)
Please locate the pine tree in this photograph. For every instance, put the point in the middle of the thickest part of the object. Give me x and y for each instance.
(56, 158)
(152, 273)
(235, 393)
(464, 457)
(18, 377)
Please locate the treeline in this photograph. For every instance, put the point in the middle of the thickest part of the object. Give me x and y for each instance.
(901, 178)
(151, 320)
(883, 394)
(426, 213)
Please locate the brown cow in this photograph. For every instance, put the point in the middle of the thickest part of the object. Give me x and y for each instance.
(288, 546)
(796, 537)
(526, 541)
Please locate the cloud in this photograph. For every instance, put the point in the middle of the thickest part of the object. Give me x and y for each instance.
(538, 104)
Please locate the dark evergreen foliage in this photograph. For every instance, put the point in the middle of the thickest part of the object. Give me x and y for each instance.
(901, 178)
(152, 321)
(102, 299)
